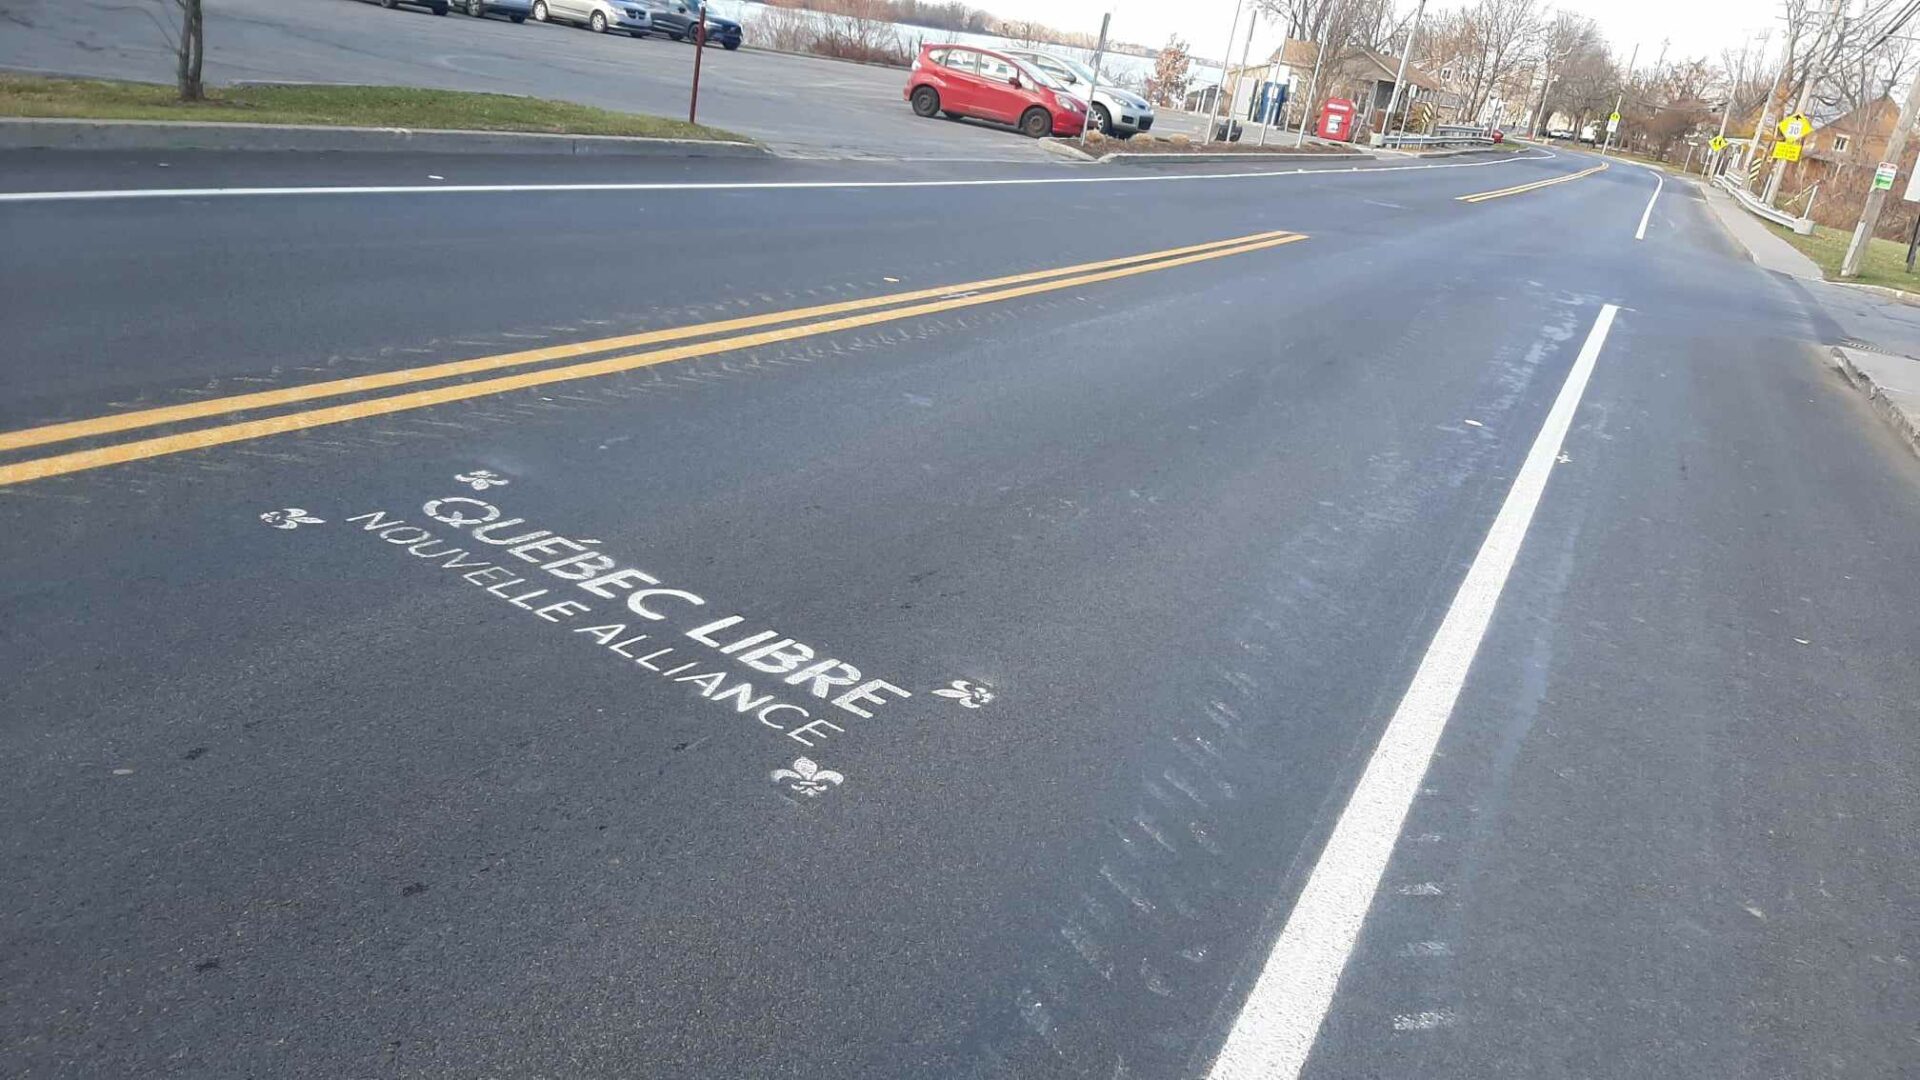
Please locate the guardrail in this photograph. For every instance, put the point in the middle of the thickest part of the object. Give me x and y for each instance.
(1803, 226)
(1470, 137)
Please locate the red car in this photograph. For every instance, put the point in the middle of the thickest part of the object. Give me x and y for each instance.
(961, 80)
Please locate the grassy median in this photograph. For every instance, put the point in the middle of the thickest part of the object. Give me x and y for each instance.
(1885, 264)
(334, 106)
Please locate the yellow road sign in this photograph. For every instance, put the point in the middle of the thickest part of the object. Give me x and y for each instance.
(1717, 143)
(1794, 128)
(1786, 151)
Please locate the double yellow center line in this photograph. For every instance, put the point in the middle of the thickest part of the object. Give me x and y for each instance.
(721, 336)
(1522, 189)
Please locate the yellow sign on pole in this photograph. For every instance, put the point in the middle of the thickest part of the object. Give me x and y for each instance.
(1717, 143)
(1786, 151)
(1794, 128)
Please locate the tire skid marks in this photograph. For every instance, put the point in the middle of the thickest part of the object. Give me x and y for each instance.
(1208, 765)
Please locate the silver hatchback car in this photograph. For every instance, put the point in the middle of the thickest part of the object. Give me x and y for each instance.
(599, 16)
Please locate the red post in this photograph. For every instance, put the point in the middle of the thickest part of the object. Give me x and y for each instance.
(699, 49)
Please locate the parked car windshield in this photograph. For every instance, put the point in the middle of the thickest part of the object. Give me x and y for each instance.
(1078, 70)
(1042, 76)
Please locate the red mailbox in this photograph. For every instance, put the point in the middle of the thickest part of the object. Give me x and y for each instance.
(1336, 120)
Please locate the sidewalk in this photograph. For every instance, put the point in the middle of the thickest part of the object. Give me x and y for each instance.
(1889, 380)
(1767, 250)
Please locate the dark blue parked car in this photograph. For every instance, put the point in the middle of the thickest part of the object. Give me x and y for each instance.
(517, 10)
(675, 18)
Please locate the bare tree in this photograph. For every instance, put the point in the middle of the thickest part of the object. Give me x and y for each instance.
(189, 46)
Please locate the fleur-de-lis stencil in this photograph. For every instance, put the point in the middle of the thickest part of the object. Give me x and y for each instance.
(481, 479)
(291, 518)
(807, 778)
(969, 695)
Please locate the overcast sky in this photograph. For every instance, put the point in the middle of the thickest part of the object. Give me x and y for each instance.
(1696, 27)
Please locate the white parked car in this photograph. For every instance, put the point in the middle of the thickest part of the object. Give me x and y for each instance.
(1115, 111)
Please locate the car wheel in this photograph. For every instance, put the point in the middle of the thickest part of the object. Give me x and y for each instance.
(440, 9)
(597, 23)
(1102, 120)
(1036, 123)
(517, 19)
(675, 35)
(730, 44)
(926, 101)
(539, 11)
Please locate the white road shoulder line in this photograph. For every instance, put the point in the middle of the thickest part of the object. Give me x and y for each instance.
(716, 185)
(1659, 182)
(1281, 1018)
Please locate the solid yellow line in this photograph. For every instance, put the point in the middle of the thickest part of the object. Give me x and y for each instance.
(104, 425)
(82, 460)
(1521, 189)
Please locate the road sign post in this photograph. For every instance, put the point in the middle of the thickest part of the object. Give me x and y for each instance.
(1613, 121)
(1099, 53)
(699, 47)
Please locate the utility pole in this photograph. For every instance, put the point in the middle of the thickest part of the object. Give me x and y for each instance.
(1870, 214)
(1313, 84)
(1739, 72)
(1808, 77)
(1546, 84)
(1760, 125)
(1619, 100)
(1400, 78)
(1225, 55)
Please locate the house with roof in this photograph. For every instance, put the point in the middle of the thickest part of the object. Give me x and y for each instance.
(1363, 76)
(1367, 77)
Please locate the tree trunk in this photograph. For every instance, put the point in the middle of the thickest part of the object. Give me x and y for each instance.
(192, 50)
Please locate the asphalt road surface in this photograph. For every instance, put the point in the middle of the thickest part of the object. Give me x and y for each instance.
(800, 106)
(856, 620)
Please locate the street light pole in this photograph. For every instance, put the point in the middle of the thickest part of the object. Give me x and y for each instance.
(1313, 83)
(1400, 78)
(1225, 59)
(1870, 213)
(1253, 20)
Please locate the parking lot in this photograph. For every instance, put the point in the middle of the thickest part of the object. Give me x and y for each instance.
(800, 106)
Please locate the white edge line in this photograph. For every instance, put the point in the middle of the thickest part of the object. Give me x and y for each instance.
(1659, 182)
(1276, 1028)
(715, 185)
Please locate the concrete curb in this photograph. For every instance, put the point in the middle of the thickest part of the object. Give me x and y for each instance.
(34, 134)
(1121, 157)
(1903, 422)
(1879, 290)
(1067, 150)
